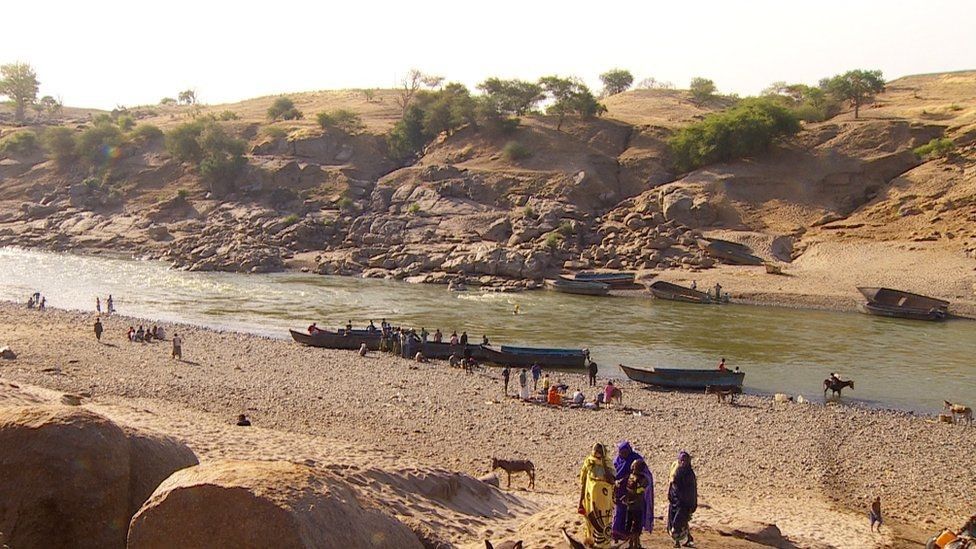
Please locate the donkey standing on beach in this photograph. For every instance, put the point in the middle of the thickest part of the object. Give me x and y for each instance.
(836, 385)
(515, 466)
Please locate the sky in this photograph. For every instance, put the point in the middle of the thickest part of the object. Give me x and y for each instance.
(102, 53)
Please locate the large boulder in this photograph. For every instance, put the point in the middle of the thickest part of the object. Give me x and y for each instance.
(258, 504)
(68, 476)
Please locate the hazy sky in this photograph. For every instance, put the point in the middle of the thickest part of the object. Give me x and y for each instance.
(100, 53)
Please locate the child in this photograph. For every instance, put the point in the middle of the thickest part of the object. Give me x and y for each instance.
(875, 513)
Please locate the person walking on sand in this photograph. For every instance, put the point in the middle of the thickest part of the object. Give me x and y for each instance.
(98, 305)
(505, 375)
(591, 371)
(682, 500)
(177, 346)
(523, 385)
(536, 374)
(596, 499)
(633, 496)
(875, 514)
(98, 329)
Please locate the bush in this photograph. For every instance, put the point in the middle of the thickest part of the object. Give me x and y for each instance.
(566, 228)
(290, 220)
(125, 122)
(22, 142)
(181, 142)
(59, 142)
(414, 209)
(227, 115)
(99, 144)
(182, 194)
(167, 101)
(284, 108)
(553, 240)
(274, 132)
(935, 148)
(514, 151)
(341, 119)
(528, 213)
(745, 129)
(344, 203)
(146, 132)
(218, 156)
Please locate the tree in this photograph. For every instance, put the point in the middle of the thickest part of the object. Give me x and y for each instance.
(651, 83)
(616, 81)
(284, 108)
(856, 86)
(702, 90)
(411, 83)
(187, 97)
(51, 105)
(59, 142)
(406, 139)
(512, 97)
(341, 119)
(18, 81)
(570, 95)
(369, 94)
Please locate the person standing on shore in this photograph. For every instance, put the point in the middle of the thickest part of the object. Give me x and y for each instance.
(591, 371)
(505, 375)
(721, 365)
(177, 346)
(875, 514)
(438, 336)
(464, 338)
(682, 500)
(596, 499)
(633, 496)
(536, 374)
(523, 385)
(109, 305)
(98, 329)
(98, 305)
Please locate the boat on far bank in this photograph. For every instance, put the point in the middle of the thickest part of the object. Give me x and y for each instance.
(563, 359)
(673, 292)
(899, 304)
(616, 279)
(567, 286)
(729, 252)
(675, 378)
(340, 339)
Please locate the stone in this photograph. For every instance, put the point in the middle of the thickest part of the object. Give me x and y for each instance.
(262, 504)
(498, 231)
(7, 354)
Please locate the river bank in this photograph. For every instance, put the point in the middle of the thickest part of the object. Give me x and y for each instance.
(809, 469)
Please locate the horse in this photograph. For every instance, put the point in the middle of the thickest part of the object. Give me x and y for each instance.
(515, 466)
(836, 385)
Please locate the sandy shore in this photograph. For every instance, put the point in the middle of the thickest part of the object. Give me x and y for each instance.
(809, 469)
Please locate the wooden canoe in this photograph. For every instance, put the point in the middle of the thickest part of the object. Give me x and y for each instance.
(729, 252)
(565, 359)
(675, 378)
(339, 340)
(576, 287)
(899, 304)
(674, 292)
(615, 279)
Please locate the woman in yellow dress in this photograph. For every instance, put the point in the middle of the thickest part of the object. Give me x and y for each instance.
(596, 496)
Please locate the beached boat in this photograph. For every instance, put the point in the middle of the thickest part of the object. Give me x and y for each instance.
(340, 339)
(567, 359)
(615, 279)
(673, 292)
(444, 350)
(577, 287)
(729, 252)
(899, 304)
(674, 378)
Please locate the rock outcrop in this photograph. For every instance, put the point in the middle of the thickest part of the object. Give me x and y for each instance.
(262, 504)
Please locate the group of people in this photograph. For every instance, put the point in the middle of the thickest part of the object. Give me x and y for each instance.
(36, 300)
(109, 305)
(146, 335)
(617, 499)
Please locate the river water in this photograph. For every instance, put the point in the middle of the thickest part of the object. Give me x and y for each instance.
(895, 363)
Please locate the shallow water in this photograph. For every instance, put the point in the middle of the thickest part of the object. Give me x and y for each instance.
(895, 363)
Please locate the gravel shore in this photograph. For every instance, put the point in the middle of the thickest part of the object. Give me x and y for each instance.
(811, 470)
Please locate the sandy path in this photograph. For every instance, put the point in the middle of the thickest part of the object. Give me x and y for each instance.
(809, 469)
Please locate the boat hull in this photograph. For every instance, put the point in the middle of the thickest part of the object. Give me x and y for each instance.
(730, 252)
(673, 378)
(444, 350)
(902, 312)
(335, 340)
(673, 292)
(621, 280)
(578, 288)
(899, 304)
(562, 361)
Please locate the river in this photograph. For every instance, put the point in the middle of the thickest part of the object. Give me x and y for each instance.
(895, 363)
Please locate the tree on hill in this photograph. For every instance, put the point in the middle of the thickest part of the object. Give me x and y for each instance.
(651, 83)
(187, 97)
(857, 86)
(702, 90)
(284, 108)
(411, 84)
(51, 105)
(512, 97)
(616, 81)
(809, 103)
(570, 95)
(18, 81)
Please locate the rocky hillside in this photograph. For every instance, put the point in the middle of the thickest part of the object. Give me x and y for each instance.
(594, 194)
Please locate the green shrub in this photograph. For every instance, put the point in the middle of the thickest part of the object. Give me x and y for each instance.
(146, 133)
(182, 194)
(342, 119)
(936, 148)
(274, 132)
(344, 203)
(566, 228)
(22, 142)
(167, 101)
(218, 156)
(514, 151)
(227, 115)
(553, 240)
(528, 213)
(291, 220)
(284, 108)
(99, 144)
(59, 142)
(414, 209)
(745, 129)
(125, 122)
(181, 142)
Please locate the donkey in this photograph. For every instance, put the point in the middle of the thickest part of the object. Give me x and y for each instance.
(515, 466)
(836, 385)
(964, 412)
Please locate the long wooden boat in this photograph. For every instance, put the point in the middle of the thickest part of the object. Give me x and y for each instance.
(566, 359)
(444, 350)
(899, 304)
(576, 287)
(339, 340)
(730, 252)
(674, 378)
(674, 292)
(615, 279)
